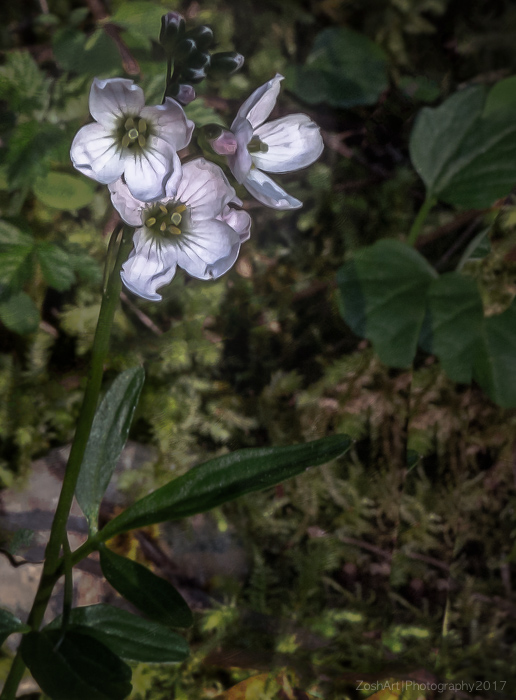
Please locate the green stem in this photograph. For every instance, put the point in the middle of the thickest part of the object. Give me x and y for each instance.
(168, 78)
(110, 254)
(52, 569)
(420, 220)
(68, 584)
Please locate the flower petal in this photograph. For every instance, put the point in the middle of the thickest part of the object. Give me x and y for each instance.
(239, 220)
(114, 98)
(174, 179)
(149, 266)
(145, 173)
(170, 123)
(259, 105)
(204, 189)
(94, 153)
(129, 208)
(206, 244)
(294, 142)
(240, 162)
(224, 264)
(266, 191)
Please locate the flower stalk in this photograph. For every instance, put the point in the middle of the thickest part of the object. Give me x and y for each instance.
(51, 568)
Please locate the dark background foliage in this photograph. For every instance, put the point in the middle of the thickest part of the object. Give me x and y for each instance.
(364, 568)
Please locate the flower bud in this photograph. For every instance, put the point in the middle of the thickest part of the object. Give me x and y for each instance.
(199, 59)
(225, 63)
(193, 75)
(185, 49)
(184, 94)
(172, 29)
(222, 141)
(203, 36)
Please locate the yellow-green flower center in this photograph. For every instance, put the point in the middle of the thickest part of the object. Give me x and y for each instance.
(255, 145)
(165, 220)
(132, 133)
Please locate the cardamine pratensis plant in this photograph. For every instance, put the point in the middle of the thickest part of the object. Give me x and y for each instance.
(175, 213)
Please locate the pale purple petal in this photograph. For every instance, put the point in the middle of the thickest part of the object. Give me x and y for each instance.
(225, 144)
(129, 208)
(239, 220)
(149, 266)
(170, 123)
(174, 179)
(293, 143)
(206, 244)
(223, 264)
(114, 98)
(240, 163)
(204, 189)
(266, 191)
(145, 173)
(94, 153)
(259, 105)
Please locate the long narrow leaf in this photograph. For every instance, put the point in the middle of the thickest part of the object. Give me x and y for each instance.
(75, 666)
(153, 595)
(127, 635)
(224, 479)
(107, 439)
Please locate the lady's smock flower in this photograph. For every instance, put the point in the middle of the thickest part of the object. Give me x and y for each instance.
(280, 146)
(193, 227)
(130, 139)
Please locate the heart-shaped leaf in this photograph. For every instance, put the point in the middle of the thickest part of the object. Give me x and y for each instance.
(465, 150)
(456, 318)
(344, 69)
(383, 298)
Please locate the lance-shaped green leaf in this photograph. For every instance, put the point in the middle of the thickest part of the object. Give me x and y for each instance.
(224, 479)
(465, 150)
(153, 595)
(383, 298)
(9, 624)
(456, 319)
(107, 439)
(75, 666)
(127, 635)
(495, 366)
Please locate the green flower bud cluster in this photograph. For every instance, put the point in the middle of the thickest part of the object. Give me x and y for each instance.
(190, 50)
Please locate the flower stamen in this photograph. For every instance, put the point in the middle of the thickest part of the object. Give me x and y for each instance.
(164, 220)
(133, 133)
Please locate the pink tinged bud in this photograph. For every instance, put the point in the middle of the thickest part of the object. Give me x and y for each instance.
(225, 144)
(185, 94)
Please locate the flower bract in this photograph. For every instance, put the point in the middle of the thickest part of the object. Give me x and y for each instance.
(192, 226)
(130, 139)
(279, 146)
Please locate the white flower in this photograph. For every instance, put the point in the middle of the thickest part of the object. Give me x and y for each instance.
(193, 227)
(280, 146)
(130, 139)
